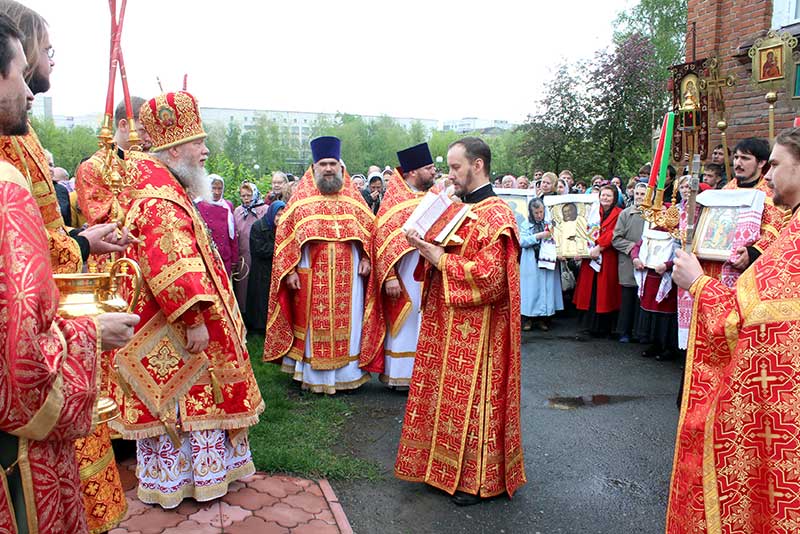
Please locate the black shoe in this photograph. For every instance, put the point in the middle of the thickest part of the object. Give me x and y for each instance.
(651, 351)
(460, 498)
(666, 356)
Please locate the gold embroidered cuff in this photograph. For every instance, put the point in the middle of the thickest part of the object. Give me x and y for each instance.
(442, 262)
(697, 285)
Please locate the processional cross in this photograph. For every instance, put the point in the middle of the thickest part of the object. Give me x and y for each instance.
(713, 85)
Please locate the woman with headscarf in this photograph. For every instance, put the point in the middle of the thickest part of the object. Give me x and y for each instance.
(658, 318)
(262, 248)
(218, 216)
(540, 289)
(597, 292)
(251, 210)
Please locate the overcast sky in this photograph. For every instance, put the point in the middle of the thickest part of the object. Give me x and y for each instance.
(437, 59)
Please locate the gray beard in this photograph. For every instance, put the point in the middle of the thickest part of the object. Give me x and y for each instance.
(329, 187)
(194, 180)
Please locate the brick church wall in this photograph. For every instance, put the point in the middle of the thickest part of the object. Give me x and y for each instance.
(727, 29)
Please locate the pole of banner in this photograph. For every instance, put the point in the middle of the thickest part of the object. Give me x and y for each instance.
(691, 205)
(722, 126)
(771, 97)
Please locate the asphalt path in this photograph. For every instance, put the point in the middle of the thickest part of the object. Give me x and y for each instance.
(598, 430)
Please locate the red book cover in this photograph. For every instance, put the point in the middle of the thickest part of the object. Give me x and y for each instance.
(397, 310)
(452, 211)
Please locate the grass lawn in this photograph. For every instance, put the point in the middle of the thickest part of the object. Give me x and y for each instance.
(296, 434)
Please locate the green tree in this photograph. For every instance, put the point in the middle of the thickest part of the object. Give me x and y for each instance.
(663, 23)
(555, 138)
(233, 144)
(68, 145)
(622, 99)
(417, 133)
(438, 144)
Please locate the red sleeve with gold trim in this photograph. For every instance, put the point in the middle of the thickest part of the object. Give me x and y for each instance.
(49, 366)
(478, 280)
(169, 259)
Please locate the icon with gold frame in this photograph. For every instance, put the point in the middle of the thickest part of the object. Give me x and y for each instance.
(772, 58)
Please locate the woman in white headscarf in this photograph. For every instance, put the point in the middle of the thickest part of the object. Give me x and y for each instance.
(218, 216)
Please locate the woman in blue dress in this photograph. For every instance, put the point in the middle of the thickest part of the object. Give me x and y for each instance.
(540, 288)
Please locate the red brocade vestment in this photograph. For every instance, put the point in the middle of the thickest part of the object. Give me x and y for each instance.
(389, 246)
(462, 423)
(103, 496)
(737, 453)
(48, 370)
(328, 224)
(185, 284)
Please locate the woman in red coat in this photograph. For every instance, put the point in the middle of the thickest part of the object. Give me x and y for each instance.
(598, 294)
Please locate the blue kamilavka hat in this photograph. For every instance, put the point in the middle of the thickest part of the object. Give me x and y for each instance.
(416, 157)
(326, 147)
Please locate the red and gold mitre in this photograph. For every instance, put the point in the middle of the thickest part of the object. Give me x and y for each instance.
(172, 119)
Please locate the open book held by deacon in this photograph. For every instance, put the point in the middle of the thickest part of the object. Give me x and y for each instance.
(437, 218)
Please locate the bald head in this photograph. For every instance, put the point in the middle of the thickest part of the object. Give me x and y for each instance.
(60, 174)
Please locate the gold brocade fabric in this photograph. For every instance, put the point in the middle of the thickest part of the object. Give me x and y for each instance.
(313, 218)
(94, 195)
(737, 457)
(462, 424)
(101, 488)
(331, 275)
(26, 154)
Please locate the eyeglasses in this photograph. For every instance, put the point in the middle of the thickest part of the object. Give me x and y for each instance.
(50, 51)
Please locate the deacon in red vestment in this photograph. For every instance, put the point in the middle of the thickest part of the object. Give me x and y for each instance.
(461, 431)
(392, 318)
(599, 293)
(738, 440)
(316, 301)
(192, 394)
(49, 365)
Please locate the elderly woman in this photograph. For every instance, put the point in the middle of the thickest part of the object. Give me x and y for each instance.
(627, 235)
(563, 187)
(252, 209)
(658, 319)
(540, 289)
(523, 182)
(597, 294)
(262, 248)
(218, 216)
(509, 182)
